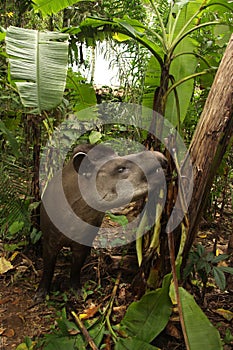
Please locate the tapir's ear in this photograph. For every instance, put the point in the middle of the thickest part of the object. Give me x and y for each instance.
(85, 169)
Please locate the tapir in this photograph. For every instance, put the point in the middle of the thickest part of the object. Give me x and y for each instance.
(74, 202)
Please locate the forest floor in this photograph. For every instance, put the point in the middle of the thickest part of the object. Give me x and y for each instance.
(20, 316)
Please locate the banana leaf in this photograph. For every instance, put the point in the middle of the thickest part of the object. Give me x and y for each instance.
(53, 6)
(38, 66)
(146, 318)
(152, 81)
(200, 332)
(181, 67)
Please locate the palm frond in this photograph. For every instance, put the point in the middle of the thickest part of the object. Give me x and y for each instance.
(13, 195)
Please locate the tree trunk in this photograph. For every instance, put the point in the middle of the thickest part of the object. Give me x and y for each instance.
(210, 140)
(230, 245)
(34, 137)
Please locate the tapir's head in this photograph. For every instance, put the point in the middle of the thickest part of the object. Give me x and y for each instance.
(107, 180)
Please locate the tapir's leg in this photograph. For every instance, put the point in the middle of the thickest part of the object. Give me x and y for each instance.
(50, 252)
(79, 254)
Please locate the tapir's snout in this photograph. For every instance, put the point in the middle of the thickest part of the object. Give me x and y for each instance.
(161, 158)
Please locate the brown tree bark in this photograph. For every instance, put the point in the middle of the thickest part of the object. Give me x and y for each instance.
(230, 245)
(210, 140)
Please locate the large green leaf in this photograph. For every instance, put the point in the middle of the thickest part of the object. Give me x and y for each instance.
(220, 6)
(181, 67)
(53, 6)
(10, 138)
(38, 66)
(201, 333)
(181, 16)
(133, 343)
(132, 26)
(146, 318)
(82, 95)
(152, 81)
(180, 20)
(92, 29)
(61, 343)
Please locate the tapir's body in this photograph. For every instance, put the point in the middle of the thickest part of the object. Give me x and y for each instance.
(75, 201)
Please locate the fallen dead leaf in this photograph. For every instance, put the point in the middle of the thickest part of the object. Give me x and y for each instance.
(89, 313)
(5, 300)
(173, 331)
(16, 301)
(9, 333)
(73, 331)
(13, 256)
(2, 330)
(119, 308)
(5, 265)
(228, 315)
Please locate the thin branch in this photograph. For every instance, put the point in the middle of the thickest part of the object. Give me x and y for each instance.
(176, 286)
(160, 22)
(84, 331)
(110, 306)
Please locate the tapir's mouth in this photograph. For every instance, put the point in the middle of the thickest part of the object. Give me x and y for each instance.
(159, 170)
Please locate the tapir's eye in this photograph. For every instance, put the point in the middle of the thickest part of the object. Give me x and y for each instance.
(121, 169)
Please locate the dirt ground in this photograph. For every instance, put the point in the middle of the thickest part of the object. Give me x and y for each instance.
(20, 316)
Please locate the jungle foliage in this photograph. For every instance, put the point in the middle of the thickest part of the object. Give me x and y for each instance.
(175, 50)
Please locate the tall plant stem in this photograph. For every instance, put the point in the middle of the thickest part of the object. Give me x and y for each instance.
(171, 246)
(161, 23)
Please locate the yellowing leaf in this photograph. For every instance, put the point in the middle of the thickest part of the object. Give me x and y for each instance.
(13, 256)
(83, 316)
(121, 37)
(5, 265)
(9, 333)
(202, 235)
(228, 315)
(2, 330)
(89, 313)
(172, 293)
